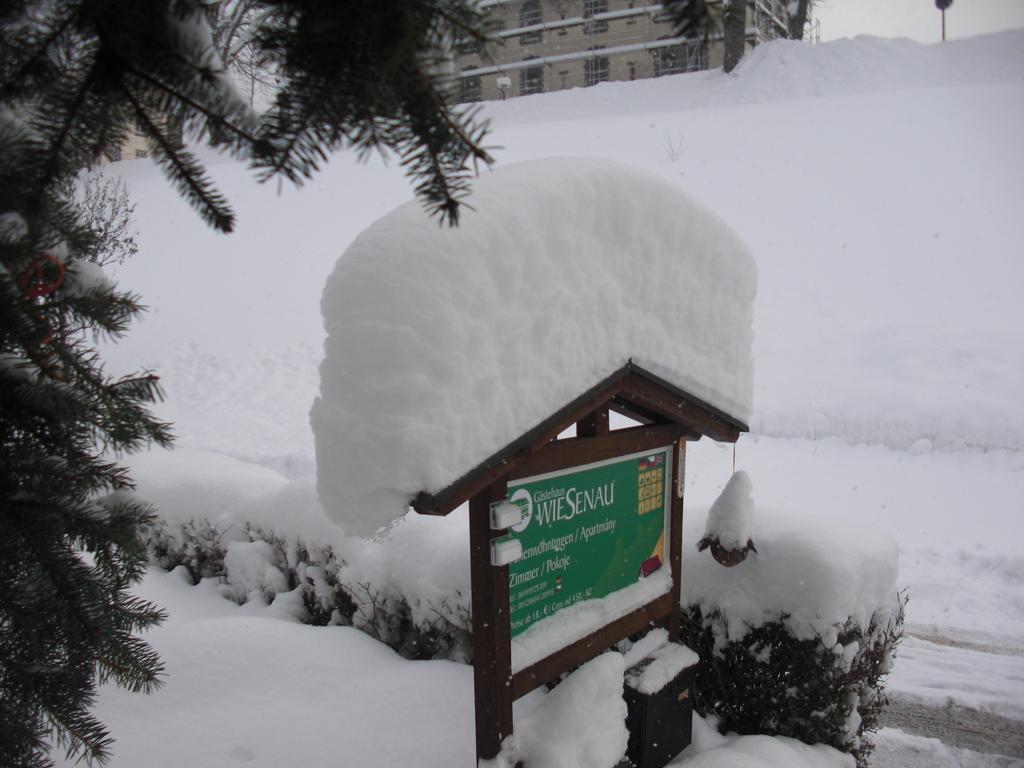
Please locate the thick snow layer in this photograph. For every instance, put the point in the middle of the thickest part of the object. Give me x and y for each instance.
(580, 724)
(188, 484)
(445, 345)
(422, 560)
(782, 70)
(580, 619)
(664, 666)
(896, 748)
(253, 687)
(817, 571)
(84, 277)
(250, 686)
(731, 517)
(712, 750)
(983, 677)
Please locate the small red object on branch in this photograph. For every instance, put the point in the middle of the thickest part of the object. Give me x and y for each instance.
(43, 276)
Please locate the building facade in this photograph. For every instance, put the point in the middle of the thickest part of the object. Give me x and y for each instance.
(133, 147)
(549, 45)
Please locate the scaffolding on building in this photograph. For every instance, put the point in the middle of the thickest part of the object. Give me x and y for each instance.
(546, 45)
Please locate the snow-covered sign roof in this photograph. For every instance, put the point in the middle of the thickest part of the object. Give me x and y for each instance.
(445, 345)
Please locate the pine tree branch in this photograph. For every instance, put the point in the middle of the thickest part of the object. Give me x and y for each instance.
(80, 742)
(184, 99)
(210, 204)
(284, 152)
(446, 196)
(459, 24)
(53, 169)
(70, 598)
(470, 143)
(139, 676)
(41, 51)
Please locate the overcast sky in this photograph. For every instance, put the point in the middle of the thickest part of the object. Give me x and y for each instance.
(917, 19)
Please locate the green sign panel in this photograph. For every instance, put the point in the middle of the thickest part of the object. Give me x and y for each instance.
(588, 531)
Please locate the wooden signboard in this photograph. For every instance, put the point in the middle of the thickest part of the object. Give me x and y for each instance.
(601, 515)
(588, 531)
(616, 540)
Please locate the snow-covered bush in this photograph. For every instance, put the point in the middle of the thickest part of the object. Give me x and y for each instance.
(195, 546)
(253, 564)
(266, 539)
(796, 639)
(772, 682)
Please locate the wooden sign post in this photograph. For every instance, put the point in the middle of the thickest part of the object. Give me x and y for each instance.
(492, 639)
(602, 512)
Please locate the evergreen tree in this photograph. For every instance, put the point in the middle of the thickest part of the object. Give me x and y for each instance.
(734, 33)
(70, 541)
(799, 12)
(75, 76)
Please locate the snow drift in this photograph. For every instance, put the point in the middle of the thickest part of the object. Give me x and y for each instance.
(445, 345)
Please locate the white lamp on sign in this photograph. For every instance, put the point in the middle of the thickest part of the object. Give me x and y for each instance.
(505, 551)
(505, 514)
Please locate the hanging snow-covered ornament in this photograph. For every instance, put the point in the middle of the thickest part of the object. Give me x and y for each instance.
(730, 522)
(42, 277)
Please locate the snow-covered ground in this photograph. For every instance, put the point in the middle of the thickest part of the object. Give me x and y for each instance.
(879, 185)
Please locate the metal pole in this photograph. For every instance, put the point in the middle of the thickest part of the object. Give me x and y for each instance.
(943, 25)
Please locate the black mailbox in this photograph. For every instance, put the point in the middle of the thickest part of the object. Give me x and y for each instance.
(659, 700)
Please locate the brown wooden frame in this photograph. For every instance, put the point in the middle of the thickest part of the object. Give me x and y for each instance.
(496, 687)
(631, 390)
(668, 416)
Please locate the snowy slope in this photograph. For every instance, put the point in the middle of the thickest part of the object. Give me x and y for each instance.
(884, 224)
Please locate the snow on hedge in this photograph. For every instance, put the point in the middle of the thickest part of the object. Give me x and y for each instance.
(186, 484)
(815, 571)
(444, 345)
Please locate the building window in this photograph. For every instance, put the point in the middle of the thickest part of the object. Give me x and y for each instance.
(467, 46)
(141, 153)
(531, 80)
(114, 154)
(667, 61)
(593, 8)
(675, 59)
(595, 70)
(530, 15)
(469, 90)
